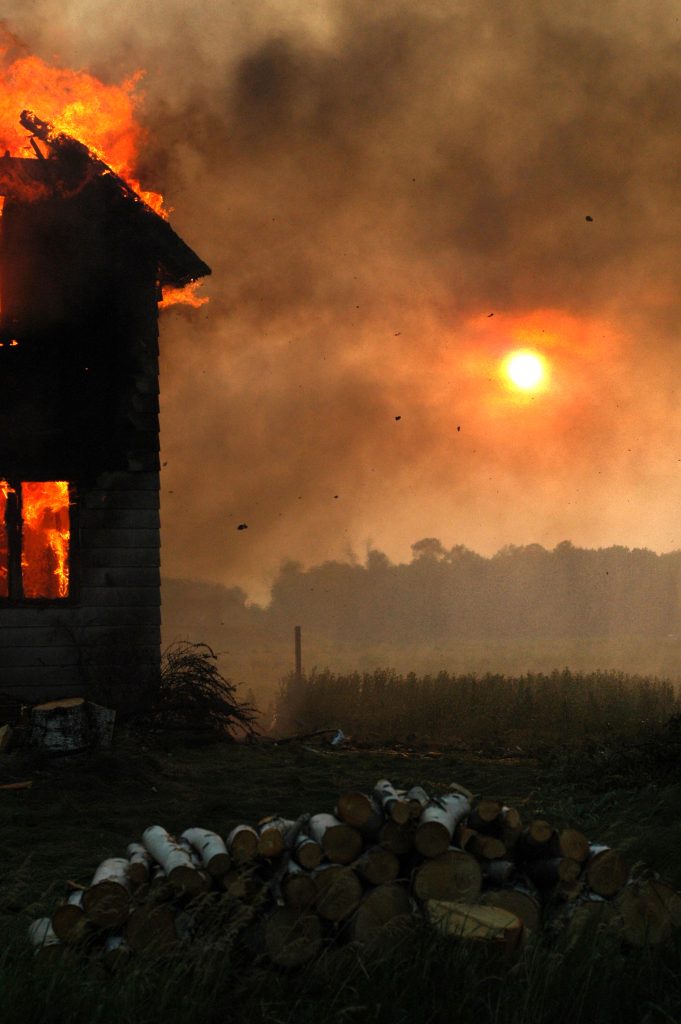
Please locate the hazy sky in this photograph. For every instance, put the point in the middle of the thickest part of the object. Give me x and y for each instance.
(369, 182)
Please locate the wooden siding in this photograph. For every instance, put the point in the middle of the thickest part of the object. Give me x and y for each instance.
(105, 640)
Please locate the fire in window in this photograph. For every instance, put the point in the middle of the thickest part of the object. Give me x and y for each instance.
(35, 534)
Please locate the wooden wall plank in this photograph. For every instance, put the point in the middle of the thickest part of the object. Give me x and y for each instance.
(121, 558)
(128, 481)
(119, 597)
(61, 657)
(47, 636)
(112, 538)
(119, 519)
(77, 617)
(126, 576)
(99, 499)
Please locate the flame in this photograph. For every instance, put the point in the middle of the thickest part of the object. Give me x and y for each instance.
(101, 116)
(4, 571)
(46, 535)
(186, 295)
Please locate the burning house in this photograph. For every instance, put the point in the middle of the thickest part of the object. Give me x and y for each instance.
(83, 262)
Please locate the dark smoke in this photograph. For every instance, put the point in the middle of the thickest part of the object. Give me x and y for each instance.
(367, 182)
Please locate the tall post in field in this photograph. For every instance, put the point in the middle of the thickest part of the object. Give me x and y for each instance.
(299, 652)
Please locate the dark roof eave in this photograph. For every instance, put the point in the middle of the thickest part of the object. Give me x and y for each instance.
(30, 180)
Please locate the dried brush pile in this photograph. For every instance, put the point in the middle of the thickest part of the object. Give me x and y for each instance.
(193, 696)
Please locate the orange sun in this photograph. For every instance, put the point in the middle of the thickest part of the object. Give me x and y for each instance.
(525, 370)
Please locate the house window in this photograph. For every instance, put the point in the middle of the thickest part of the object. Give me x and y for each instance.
(35, 535)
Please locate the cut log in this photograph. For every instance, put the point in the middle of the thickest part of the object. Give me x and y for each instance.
(474, 922)
(547, 873)
(486, 847)
(454, 875)
(418, 800)
(339, 891)
(485, 816)
(510, 819)
(194, 855)
(241, 884)
(378, 865)
(139, 868)
(569, 842)
(464, 836)
(359, 811)
(176, 861)
(379, 906)
(455, 787)
(394, 807)
(535, 841)
(606, 870)
(5, 737)
(297, 887)
(211, 850)
(570, 890)
(306, 852)
(292, 938)
(272, 837)
(397, 838)
(107, 900)
(521, 899)
(646, 920)
(671, 899)
(101, 721)
(589, 914)
(116, 953)
(46, 945)
(436, 826)
(341, 843)
(498, 872)
(69, 922)
(242, 844)
(160, 888)
(60, 726)
(151, 930)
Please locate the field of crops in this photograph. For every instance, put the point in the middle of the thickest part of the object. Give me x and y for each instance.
(465, 710)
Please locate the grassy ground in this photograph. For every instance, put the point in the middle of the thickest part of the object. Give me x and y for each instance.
(83, 810)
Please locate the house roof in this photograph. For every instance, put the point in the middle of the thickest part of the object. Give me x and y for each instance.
(69, 168)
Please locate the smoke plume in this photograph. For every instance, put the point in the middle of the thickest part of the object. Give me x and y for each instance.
(370, 183)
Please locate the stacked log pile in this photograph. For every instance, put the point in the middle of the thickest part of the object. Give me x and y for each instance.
(469, 865)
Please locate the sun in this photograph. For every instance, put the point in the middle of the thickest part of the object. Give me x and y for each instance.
(525, 370)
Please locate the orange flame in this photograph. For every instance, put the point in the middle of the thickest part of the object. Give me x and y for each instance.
(4, 573)
(46, 535)
(102, 117)
(187, 295)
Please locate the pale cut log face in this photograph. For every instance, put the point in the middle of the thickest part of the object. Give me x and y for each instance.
(522, 904)
(308, 853)
(453, 875)
(339, 892)
(378, 908)
(342, 844)
(476, 923)
(355, 809)
(607, 872)
(107, 904)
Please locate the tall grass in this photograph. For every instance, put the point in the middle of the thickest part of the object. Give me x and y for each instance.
(418, 977)
(468, 710)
